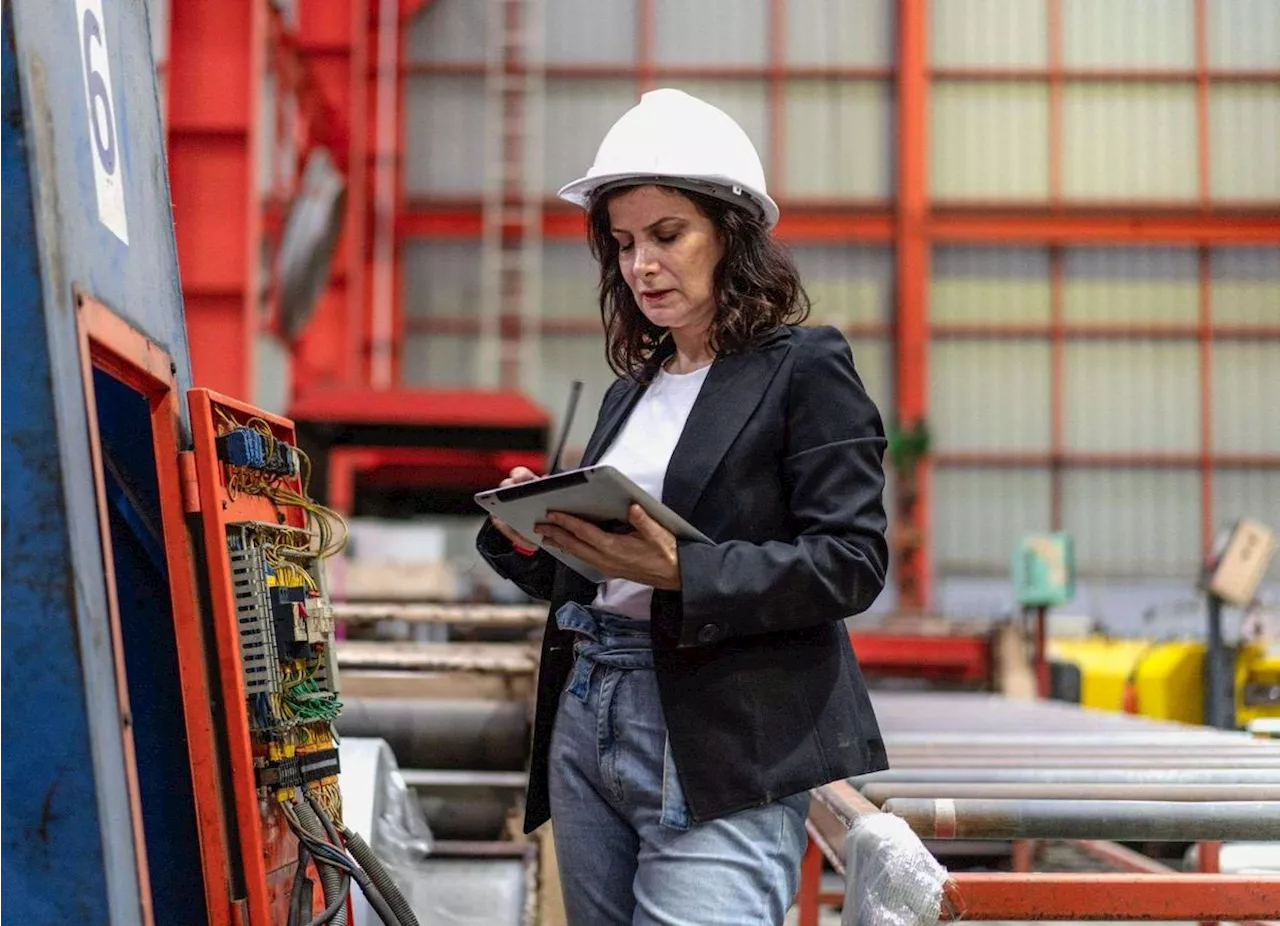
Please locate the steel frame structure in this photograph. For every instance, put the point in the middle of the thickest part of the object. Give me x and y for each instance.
(334, 52)
(914, 222)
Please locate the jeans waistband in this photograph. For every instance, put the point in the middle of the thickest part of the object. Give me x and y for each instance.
(604, 639)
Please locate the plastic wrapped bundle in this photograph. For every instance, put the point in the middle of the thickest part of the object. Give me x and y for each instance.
(891, 878)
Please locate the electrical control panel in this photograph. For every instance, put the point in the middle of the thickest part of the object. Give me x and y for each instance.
(266, 542)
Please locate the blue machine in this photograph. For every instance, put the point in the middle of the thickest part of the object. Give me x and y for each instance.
(86, 210)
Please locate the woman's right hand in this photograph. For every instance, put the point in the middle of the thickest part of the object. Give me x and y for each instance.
(518, 540)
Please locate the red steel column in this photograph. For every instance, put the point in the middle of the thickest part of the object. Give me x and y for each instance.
(1205, 258)
(912, 254)
(332, 43)
(1057, 337)
(216, 62)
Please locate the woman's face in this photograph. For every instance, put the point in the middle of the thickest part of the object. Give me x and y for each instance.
(668, 252)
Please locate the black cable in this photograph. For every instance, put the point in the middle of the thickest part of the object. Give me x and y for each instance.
(376, 900)
(300, 883)
(339, 901)
(325, 854)
(344, 888)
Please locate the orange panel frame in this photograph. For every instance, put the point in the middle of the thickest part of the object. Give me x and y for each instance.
(264, 846)
(110, 344)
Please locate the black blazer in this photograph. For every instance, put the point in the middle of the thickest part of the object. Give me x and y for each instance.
(780, 463)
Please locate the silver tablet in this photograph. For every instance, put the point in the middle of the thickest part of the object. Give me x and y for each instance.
(599, 494)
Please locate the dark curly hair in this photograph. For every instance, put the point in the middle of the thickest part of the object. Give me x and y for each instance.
(756, 289)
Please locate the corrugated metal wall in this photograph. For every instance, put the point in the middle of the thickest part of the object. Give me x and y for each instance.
(837, 134)
(1096, 103)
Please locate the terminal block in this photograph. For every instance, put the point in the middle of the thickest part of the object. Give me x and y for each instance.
(258, 652)
(247, 447)
(298, 770)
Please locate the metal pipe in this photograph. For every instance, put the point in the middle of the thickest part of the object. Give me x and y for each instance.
(458, 778)
(1100, 738)
(1257, 747)
(879, 793)
(470, 614)
(439, 734)
(1127, 776)
(1156, 821)
(1186, 762)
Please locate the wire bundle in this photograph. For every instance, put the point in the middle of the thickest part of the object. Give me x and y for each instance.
(329, 796)
(302, 700)
(328, 524)
(319, 840)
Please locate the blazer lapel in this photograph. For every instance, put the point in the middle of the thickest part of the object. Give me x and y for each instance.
(611, 420)
(733, 388)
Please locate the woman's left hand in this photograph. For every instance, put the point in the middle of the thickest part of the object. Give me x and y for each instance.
(647, 555)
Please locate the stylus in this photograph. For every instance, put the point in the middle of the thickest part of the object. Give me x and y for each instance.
(574, 391)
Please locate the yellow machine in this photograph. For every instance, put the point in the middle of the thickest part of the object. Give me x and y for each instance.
(1163, 680)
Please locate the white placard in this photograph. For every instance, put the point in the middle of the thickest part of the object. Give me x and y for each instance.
(104, 139)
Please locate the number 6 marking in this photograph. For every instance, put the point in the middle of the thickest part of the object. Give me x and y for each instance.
(98, 95)
(108, 146)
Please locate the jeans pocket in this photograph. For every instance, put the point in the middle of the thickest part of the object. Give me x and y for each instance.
(675, 812)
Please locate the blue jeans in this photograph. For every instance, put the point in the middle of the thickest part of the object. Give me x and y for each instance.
(627, 849)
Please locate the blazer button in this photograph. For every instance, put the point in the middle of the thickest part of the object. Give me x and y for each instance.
(708, 633)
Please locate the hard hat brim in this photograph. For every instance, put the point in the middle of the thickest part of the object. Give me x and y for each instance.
(581, 192)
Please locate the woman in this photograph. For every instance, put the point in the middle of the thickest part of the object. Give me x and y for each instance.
(686, 707)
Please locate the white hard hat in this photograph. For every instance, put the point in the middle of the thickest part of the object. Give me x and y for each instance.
(674, 139)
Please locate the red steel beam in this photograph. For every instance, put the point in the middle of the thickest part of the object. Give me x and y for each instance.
(1078, 330)
(1026, 223)
(432, 467)
(411, 8)
(1118, 75)
(646, 69)
(912, 261)
(955, 657)
(585, 326)
(1120, 460)
(652, 70)
(216, 62)
(983, 896)
(1117, 224)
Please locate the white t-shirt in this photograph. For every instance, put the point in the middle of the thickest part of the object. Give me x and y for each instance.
(642, 451)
